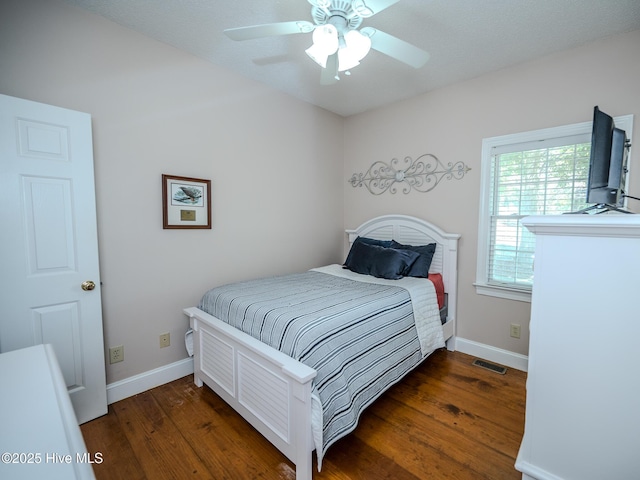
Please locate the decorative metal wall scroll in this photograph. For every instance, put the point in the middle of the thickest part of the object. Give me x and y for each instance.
(421, 174)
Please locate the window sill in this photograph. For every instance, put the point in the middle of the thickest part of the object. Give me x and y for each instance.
(503, 292)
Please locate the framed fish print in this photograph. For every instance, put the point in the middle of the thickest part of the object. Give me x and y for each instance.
(186, 202)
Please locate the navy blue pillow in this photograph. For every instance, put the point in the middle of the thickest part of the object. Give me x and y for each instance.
(368, 241)
(380, 261)
(420, 268)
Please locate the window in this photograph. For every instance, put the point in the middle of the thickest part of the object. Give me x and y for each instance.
(535, 173)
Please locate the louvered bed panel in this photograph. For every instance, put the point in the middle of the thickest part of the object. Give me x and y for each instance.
(217, 361)
(265, 394)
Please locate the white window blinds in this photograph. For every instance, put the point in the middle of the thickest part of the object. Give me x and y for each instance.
(544, 177)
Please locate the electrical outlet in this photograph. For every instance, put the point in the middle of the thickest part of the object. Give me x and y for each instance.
(116, 354)
(165, 340)
(515, 330)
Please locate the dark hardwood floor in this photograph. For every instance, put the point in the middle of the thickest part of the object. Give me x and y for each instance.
(447, 419)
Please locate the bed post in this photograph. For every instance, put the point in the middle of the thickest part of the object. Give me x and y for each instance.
(193, 323)
(301, 434)
(450, 278)
(302, 437)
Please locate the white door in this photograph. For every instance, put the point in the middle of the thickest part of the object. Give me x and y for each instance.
(49, 245)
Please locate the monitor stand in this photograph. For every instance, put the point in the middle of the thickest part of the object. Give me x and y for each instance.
(602, 207)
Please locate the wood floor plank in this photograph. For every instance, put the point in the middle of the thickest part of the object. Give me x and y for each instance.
(159, 445)
(215, 432)
(105, 436)
(418, 442)
(464, 410)
(446, 420)
(477, 387)
(351, 458)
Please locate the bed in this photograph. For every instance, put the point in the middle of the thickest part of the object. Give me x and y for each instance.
(282, 397)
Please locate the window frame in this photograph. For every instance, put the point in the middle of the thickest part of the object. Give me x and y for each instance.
(483, 287)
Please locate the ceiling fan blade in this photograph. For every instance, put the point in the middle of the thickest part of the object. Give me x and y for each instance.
(329, 75)
(269, 30)
(367, 8)
(396, 48)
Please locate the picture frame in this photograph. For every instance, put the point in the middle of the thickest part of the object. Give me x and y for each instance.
(186, 202)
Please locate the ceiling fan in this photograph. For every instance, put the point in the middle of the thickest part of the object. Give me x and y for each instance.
(338, 45)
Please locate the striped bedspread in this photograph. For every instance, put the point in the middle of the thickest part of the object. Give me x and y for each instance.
(358, 332)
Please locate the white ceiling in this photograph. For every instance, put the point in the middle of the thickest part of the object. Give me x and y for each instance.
(466, 38)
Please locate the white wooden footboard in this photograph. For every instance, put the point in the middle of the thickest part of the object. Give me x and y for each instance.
(269, 389)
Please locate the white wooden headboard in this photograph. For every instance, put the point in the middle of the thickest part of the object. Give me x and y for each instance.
(414, 231)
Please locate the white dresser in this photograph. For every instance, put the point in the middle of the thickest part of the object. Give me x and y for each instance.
(583, 387)
(39, 433)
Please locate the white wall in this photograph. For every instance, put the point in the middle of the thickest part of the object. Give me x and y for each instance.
(277, 192)
(451, 123)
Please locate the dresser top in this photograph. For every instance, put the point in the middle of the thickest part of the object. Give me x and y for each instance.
(607, 225)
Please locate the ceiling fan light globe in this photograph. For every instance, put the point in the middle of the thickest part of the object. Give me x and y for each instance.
(358, 43)
(356, 46)
(325, 37)
(346, 60)
(318, 55)
(348, 64)
(325, 43)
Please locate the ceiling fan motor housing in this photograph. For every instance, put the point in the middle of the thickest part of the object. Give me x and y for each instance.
(338, 13)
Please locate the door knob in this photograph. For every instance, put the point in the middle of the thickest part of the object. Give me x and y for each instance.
(88, 285)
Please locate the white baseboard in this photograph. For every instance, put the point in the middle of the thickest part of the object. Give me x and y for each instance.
(492, 354)
(142, 382)
(532, 472)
